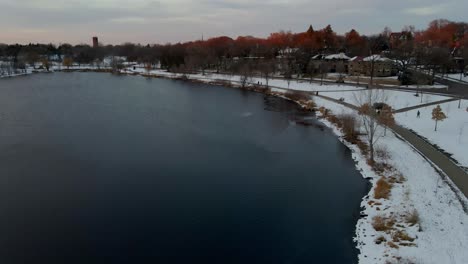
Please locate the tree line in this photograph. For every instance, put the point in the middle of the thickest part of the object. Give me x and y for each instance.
(435, 48)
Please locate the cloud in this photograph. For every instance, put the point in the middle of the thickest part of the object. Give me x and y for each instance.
(426, 10)
(160, 21)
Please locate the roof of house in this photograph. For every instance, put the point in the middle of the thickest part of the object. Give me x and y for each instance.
(376, 57)
(339, 56)
(357, 58)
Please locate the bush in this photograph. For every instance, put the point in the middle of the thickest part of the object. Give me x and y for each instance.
(382, 153)
(349, 128)
(383, 189)
(401, 236)
(297, 96)
(363, 147)
(413, 218)
(381, 223)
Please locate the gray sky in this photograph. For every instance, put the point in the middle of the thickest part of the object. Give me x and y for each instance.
(161, 21)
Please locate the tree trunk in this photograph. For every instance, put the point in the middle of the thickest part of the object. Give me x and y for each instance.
(436, 126)
(371, 150)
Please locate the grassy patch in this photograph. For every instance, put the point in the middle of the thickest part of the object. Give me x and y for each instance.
(383, 189)
(401, 236)
(383, 224)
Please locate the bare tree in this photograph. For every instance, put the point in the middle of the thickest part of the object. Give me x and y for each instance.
(323, 68)
(402, 54)
(267, 69)
(368, 102)
(312, 69)
(341, 70)
(386, 117)
(245, 72)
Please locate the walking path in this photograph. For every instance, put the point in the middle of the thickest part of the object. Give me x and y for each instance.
(424, 105)
(458, 176)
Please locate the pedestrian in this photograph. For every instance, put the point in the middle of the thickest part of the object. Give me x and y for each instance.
(418, 114)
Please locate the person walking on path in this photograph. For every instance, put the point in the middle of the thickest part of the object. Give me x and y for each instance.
(418, 115)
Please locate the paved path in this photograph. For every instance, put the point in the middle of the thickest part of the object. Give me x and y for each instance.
(424, 105)
(442, 161)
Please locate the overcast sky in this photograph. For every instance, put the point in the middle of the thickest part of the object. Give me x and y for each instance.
(161, 21)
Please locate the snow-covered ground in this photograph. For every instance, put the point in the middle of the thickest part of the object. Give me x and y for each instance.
(457, 76)
(17, 73)
(396, 99)
(301, 85)
(451, 134)
(442, 233)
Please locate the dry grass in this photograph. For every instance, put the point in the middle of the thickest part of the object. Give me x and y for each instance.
(310, 105)
(412, 218)
(334, 120)
(380, 240)
(363, 147)
(383, 224)
(382, 153)
(349, 124)
(392, 245)
(396, 178)
(383, 189)
(297, 96)
(399, 236)
(324, 111)
(379, 167)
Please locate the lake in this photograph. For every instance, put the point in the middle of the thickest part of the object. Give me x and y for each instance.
(97, 168)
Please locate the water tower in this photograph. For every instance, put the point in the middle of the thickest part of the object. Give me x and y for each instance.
(95, 42)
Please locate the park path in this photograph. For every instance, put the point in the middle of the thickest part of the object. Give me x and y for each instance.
(424, 105)
(458, 176)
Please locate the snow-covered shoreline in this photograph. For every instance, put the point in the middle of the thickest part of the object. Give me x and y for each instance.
(441, 215)
(441, 233)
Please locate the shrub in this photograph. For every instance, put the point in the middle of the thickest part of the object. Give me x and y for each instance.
(383, 189)
(401, 236)
(392, 245)
(363, 147)
(382, 153)
(297, 96)
(349, 128)
(413, 218)
(380, 240)
(381, 223)
(334, 120)
(310, 105)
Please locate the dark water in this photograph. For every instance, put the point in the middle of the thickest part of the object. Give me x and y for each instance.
(96, 168)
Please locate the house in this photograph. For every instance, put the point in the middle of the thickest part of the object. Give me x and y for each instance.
(397, 38)
(338, 62)
(333, 62)
(381, 66)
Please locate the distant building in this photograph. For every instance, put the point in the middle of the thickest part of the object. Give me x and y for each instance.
(397, 38)
(95, 42)
(383, 67)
